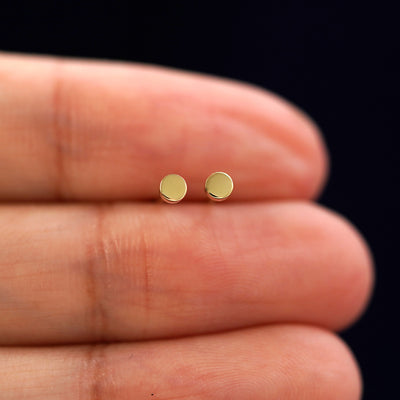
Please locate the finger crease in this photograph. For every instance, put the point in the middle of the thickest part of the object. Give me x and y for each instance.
(94, 373)
(142, 250)
(96, 251)
(61, 130)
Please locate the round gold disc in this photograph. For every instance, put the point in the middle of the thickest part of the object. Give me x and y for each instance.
(219, 186)
(173, 188)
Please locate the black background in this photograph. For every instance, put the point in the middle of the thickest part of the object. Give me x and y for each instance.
(336, 60)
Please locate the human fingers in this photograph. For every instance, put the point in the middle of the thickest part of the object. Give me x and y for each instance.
(99, 131)
(276, 362)
(82, 273)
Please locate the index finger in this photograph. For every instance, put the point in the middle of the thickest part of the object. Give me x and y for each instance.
(83, 130)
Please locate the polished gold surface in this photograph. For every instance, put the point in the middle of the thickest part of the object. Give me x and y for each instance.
(219, 186)
(173, 188)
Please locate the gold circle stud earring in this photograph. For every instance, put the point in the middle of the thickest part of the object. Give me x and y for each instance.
(173, 188)
(219, 186)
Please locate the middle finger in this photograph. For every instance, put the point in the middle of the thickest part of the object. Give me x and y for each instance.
(77, 273)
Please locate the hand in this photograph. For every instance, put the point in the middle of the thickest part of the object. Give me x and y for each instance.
(108, 294)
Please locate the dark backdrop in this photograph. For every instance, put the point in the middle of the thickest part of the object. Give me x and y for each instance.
(337, 60)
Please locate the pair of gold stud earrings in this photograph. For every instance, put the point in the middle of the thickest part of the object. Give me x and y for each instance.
(218, 187)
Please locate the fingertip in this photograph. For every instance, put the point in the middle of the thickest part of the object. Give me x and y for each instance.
(331, 365)
(359, 279)
(351, 271)
(311, 148)
(299, 142)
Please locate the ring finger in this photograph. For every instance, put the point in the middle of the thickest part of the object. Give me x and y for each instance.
(277, 362)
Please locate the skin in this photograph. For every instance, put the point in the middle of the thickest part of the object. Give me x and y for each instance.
(107, 293)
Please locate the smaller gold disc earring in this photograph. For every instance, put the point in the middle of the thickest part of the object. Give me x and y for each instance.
(173, 188)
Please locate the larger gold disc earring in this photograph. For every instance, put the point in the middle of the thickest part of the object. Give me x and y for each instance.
(219, 186)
